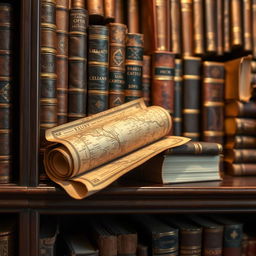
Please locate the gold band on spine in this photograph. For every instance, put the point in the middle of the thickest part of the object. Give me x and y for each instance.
(178, 79)
(77, 90)
(48, 25)
(192, 77)
(213, 80)
(213, 104)
(76, 115)
(132, 93)
(163, 78)
(191, 134)
(212, 63)
(177, 119)
(97, 63)
(77, 59)
(78, 33)
(191, 111)
(134, 62)
(213, 133)
(100, 37)
(48, 75)
(48, 50)
(116, 92)
(98, 92)
(5, 131)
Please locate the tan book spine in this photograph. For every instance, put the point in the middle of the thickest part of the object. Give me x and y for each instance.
(236, 23)
(119, 11)
(109, 8)
(132, 16)
(226, 27)
(247, 25)
(254, 27)
(187, 27)
(198, 27)
(96, 11)
(220, 43)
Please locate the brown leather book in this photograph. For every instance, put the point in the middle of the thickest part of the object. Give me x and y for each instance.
(77, 61)
(6, 91)
(119, 11)
(191, 97)
(109, 10)
(163, 79)
(251, 246)
(219, 27)
(226, 26)
(240, 155)
(178, 90)
(132, 7)
(187, 27)
(236, 23)
(253, 66)
(117, 37)
(246, 169)
(198, 27)
(175, 24)
(254, 28)
(240, 109)
(240, 142)
(210, 26)
(238, 79)
(133, 66)
(213, 101)
(146, 79)
(98, 67)
(62, 19)
(142, 250)
(96, 11)
(240, 126)
(247, 25)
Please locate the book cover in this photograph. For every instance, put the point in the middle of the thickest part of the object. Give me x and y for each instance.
(240, 109)
(146, 79)
(240, 142)
(240, 126)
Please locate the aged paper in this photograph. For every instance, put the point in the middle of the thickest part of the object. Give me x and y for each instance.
(93, 152)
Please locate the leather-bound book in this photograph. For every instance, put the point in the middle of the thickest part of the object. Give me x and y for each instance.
(117, 37)
(240, 155)
(254, 28)
(132, 8)
(77, 60)
(98, 67)
(175, 24)
(191, 97)
(238, 79)
(219, 27)
(163, 79)
(142, 250)
(247, 25)
(240, 126)
(187, 27)
(49, 230)
(177, 114)
(6, 92)
(226, 26)
(212, 235)
(133, 66)
(190, 235)
(240, 142)
(96, 11)
(236, 23)
(198, 27)
(251, 246)
(62, 19)
(146, 79)
(240, 169)
(210, 26)
(213, 101)
(240, 109)
(119, 11)
(109, 10)
(253, 66)
(161, 238)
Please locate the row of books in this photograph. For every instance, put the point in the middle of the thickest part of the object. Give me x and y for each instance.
(144, 234)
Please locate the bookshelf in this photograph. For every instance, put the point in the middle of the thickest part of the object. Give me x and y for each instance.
(29, 200)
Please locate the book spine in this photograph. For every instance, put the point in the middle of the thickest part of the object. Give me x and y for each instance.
(163, 80)
(220, 42)
(109, 8)
(48, 96)
(175, 16)
(198, 27)
(62, 19)
(240, 126)
(178, 90)
(117, 36)
(127, 244)
(77, 62)
(98, 67)
(190, 242)
(96, 11)
(247, 25)
(226, 26)
(210, 19)
(254, 28)
(142, 250)
(6, 94)
(240, 142)
(213, 102)
(240, 169)
(191, 97)
(240, 155)
(240, 109)
(146, 79)
(187, 27)
(7, 244)
(213, 241)
(236, 23)
(132, 16)
(133, 66)
(119, 11)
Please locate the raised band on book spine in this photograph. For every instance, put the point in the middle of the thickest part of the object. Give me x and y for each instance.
(191, 97)
(213, 101)
(62, 19)
(133, 66)
(98, 67)
(132, 7)
(96, 11)
(6, 94)
(226, 28)
(236, 23)
(77, 61)
(117, 37)
(178, 90)
(146, 79)
(247, 25)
